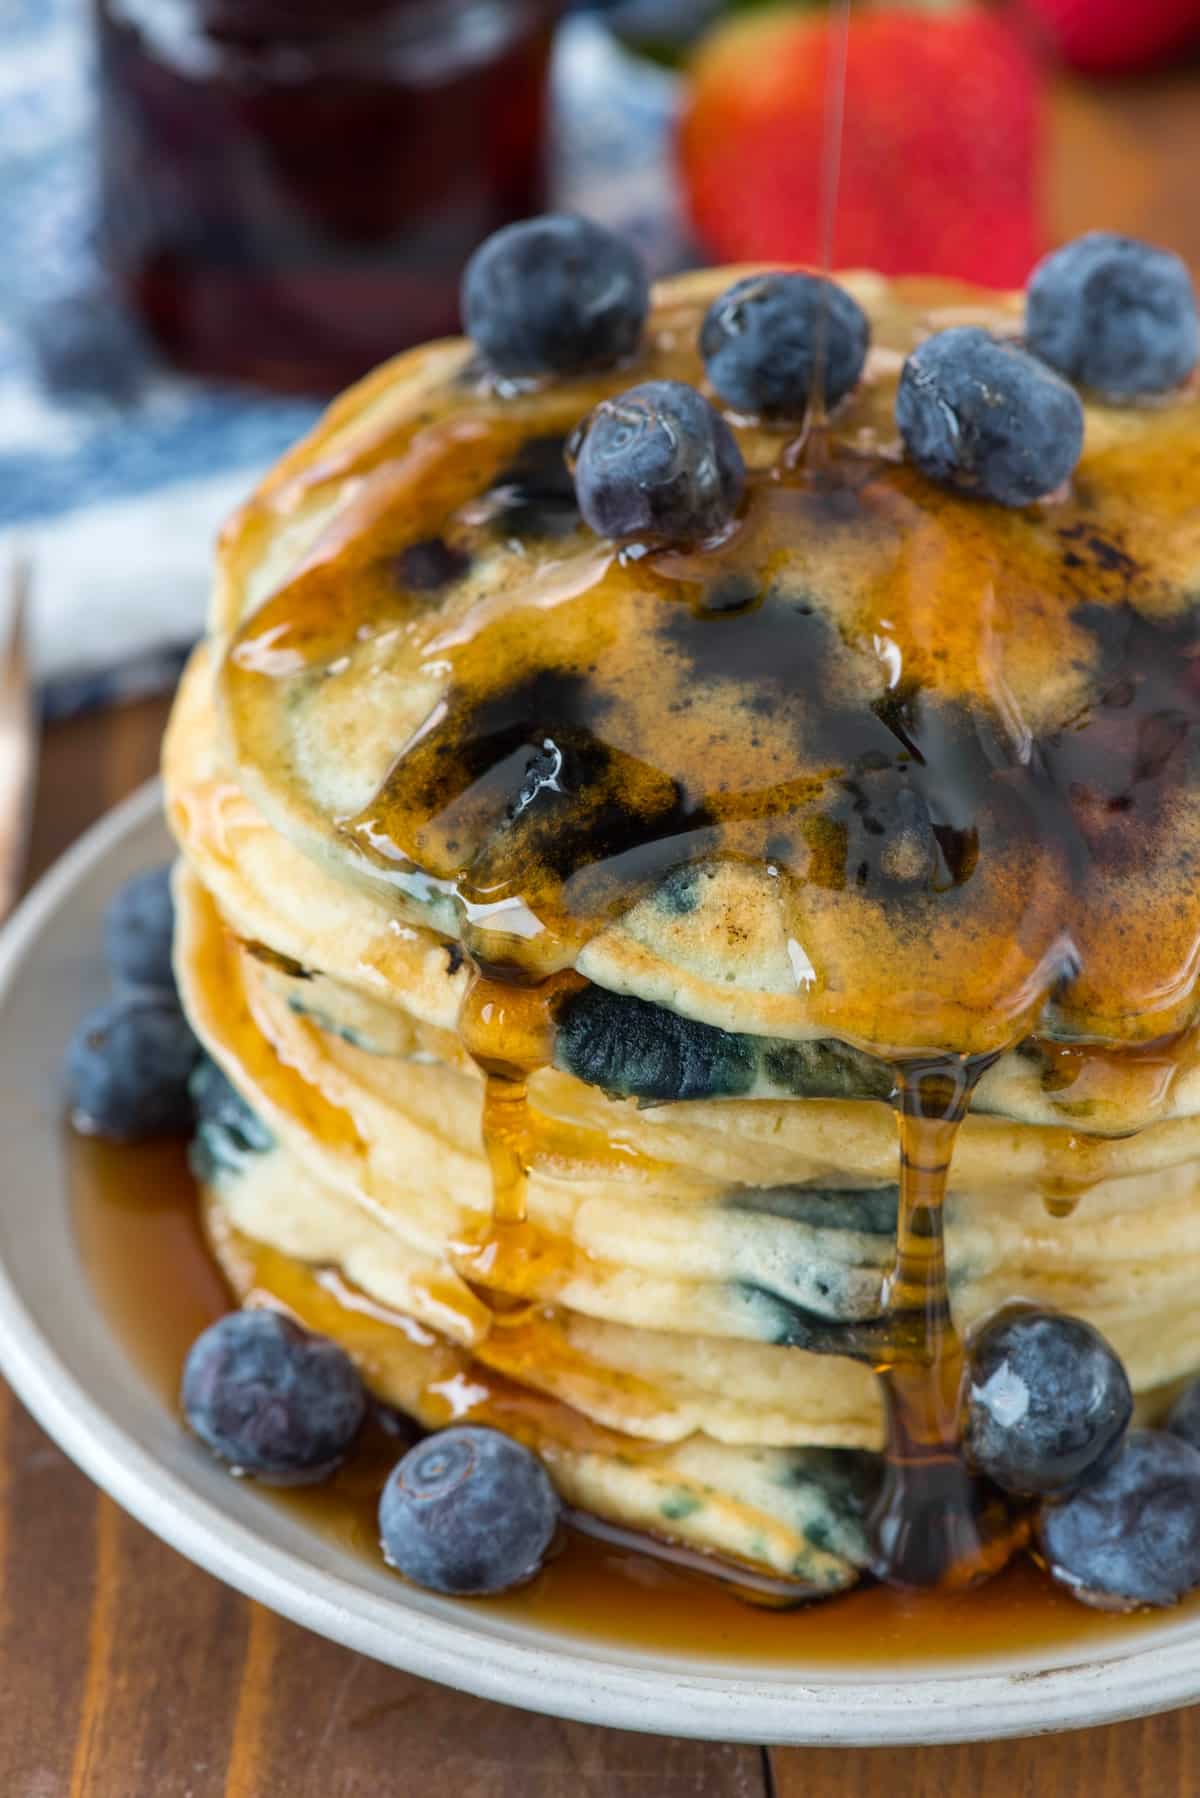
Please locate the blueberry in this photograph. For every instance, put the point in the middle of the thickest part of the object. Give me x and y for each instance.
(228, 1130)
(630, 1047)
(987, 417)
(217, 1101)
(1184, 1418)
(761, 341)
(468, 1511)
(1047, 1401)
(556, 295)
(139, 929)
(1131, 1536)
(127, 1068)
(658, 461)
(1114, 314)
(272, 1399)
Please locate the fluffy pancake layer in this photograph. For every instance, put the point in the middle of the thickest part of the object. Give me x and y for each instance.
(651, 1223)
(363, 962)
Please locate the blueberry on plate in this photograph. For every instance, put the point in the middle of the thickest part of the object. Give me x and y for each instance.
(763, 338)
(987, 417)
(1114, 314)
(1184, 1417)
(468, 1512)
(217, 1102)
(228, 1131)
(658, 461)
(128, 1067)
(139, 929)
(1047, 1401)
(271, 1399)
(1130, 1537)
(556, 295)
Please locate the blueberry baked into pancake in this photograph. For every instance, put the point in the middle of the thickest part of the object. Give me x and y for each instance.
(689, 811)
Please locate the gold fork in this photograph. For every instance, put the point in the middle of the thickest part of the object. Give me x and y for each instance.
(18, 737)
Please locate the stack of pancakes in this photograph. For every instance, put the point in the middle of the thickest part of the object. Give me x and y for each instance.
(885, 773)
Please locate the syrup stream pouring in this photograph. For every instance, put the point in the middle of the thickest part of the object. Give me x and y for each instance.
(838, 38)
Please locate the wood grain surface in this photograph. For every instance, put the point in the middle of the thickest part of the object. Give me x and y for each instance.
(127, 1673)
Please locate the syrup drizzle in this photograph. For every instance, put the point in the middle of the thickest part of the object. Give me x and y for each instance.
(933, 1524)
(507, 1027)
(1061, 1196)
(504, 1028)
(815, 436)
(135, 1211)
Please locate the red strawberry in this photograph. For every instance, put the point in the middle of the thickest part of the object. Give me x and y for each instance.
(1107, 36)
(940, 149)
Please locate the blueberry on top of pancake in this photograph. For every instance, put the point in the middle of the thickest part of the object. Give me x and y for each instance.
(1114, 314)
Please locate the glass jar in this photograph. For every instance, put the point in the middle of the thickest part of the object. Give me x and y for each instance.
(290, 188)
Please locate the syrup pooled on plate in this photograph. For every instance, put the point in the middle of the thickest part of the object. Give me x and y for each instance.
(137, 1219)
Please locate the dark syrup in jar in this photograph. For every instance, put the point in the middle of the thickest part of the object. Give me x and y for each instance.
(137, 1225)
(290, 188)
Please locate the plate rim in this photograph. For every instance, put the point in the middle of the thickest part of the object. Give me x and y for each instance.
(587, 1683)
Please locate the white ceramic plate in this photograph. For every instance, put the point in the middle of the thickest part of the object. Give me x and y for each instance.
(62, 1358)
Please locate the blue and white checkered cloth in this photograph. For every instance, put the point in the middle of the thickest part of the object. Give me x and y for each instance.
(115, 472)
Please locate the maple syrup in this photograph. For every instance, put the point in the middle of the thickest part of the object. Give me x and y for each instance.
(508, 1030)
(137, 1224)
(814, 446)
(685, 733)
(934, 1524)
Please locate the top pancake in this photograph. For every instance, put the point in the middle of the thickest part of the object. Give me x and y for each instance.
(885, 764)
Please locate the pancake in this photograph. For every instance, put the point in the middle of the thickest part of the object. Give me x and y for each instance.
(898, 653)
(359, 966)
(575, 924)
(795, 1514)
(660, 1245)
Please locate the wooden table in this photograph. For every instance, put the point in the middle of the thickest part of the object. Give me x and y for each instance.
(127, 1673)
